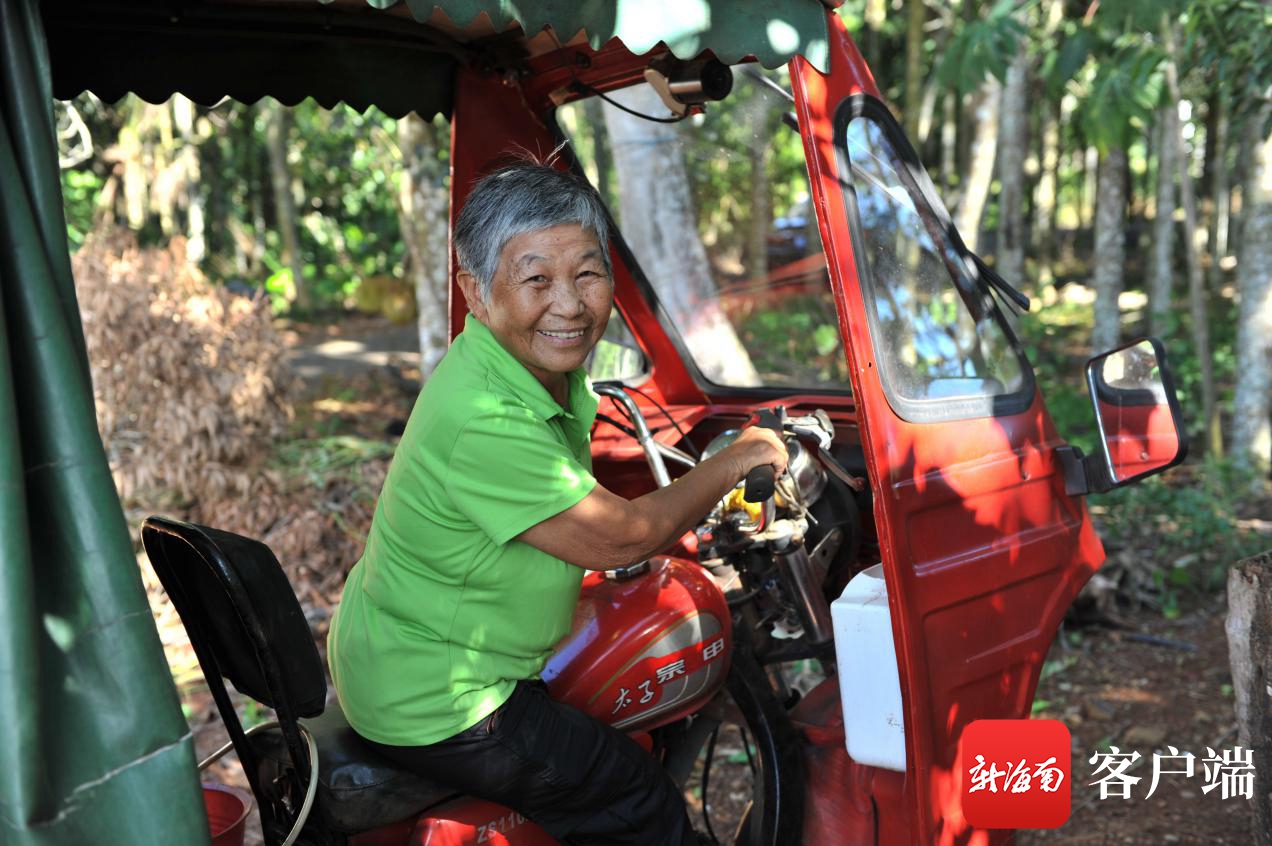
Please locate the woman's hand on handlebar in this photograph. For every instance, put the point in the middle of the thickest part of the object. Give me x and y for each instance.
(757, 446)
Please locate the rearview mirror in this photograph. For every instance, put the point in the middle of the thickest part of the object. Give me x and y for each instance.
(1137, 416)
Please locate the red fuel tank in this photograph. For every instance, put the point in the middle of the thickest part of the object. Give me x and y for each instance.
(646, 651)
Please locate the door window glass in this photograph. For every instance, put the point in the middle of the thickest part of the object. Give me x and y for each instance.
(938, 336)
(616, 355)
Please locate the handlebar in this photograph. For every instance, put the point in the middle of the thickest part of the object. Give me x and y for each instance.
(762, 480)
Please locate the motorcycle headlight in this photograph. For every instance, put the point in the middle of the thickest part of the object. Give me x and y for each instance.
(720, 441)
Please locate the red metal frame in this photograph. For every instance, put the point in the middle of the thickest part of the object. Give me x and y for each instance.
(982, 549)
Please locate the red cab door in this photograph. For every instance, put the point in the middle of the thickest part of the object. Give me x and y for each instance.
(982, 550)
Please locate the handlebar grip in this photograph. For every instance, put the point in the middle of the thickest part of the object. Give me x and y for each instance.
(760, 482)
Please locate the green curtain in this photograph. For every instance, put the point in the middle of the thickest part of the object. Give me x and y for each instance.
(93, 746)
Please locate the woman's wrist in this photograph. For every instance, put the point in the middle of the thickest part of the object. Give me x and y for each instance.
(740, 462)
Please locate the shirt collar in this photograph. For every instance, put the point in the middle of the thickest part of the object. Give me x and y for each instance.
(485, 347)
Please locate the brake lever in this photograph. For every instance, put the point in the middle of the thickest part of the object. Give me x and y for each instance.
(800, 427)
(837, 470)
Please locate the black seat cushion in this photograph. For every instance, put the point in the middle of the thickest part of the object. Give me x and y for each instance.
(358, 789)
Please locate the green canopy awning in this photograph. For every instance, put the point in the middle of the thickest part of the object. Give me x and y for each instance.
(400, 57)
(93, 747)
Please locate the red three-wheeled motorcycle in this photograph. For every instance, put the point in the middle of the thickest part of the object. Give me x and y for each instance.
(923, 547)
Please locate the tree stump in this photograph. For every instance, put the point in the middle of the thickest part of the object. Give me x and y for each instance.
(1249, 628)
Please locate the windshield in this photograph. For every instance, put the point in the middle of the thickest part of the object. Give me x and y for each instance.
(716, 211)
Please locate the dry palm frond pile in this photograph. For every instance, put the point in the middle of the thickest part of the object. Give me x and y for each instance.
(190, 381)
(194, 400)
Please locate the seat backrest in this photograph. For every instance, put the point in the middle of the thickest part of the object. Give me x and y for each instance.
(246, 625)
(231, 592)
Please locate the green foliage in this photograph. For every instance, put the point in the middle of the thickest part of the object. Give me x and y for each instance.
(344, 165)
(79, 192)
(1058, 67)
(982, 47)
(1186, 522)
(1114, 63)
(1142, 15)
(315, 461)
(348, 165)
(798, 338)
(1186, 367)
(1055, 341)
(1122, 93)
(722, 174)
(1229, 40)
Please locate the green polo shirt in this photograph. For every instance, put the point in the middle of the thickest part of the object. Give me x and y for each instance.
(445, 612)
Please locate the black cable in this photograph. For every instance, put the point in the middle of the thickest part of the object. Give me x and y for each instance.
(622, 409)
(584, 87)
(706, 780)
(696, 452)
(742, 599)
(626, 430)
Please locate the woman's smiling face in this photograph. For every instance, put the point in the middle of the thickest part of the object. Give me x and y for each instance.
(549, 301)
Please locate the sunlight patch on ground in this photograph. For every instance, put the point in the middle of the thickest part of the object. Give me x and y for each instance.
(1131, 694)
(332, 405)
(182, 662)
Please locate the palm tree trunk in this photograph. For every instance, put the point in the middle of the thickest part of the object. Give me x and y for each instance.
(1196, 283)
(1110, 249)
(761, 207)
(1220, 189)
(660, 226)
(1252, 405)
(876, 12)
(1090, 179)
(949, 139)
(196, 219)
(981, 161)
(284, 203)
(1013, 141)
(916, 13)
(601, 157)
(1161, 269)
(423, 203)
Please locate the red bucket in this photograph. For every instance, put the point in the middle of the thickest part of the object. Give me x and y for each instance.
(228, 808)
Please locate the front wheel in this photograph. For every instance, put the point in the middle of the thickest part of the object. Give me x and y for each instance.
(776, 814)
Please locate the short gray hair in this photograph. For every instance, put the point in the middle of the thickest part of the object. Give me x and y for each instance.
(522, 198)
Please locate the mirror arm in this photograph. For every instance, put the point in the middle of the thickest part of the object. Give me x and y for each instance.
(1083, 474)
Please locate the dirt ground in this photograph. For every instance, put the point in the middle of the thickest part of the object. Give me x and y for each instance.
(1152, 684)
(1149, 684)
(1155, 684)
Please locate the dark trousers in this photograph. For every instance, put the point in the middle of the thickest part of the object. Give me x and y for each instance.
(585, 783)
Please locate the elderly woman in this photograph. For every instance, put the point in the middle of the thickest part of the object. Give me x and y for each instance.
(487, 519)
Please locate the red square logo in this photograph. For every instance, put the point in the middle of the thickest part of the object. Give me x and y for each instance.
(1016, 773)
